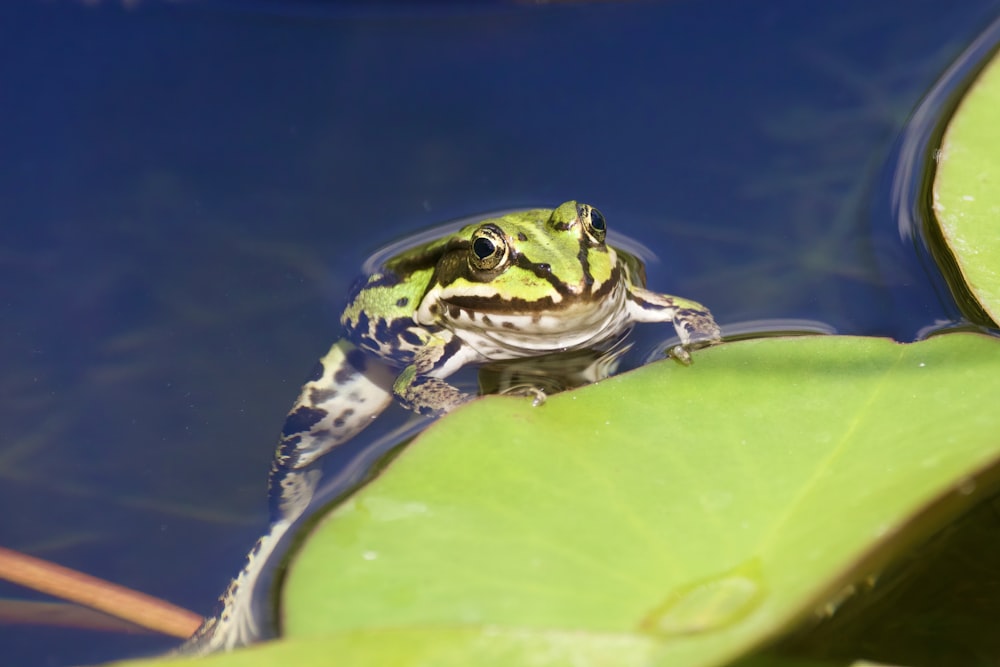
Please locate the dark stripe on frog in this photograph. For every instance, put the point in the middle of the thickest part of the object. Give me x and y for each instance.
(631, 296)
(358, 329)
(389, 332)
(378, 339)
(358, 360)
(633, 267)
(355, 363)
(301, 420)
(411, 337)
(544, 271)
(588, 243)
(286, 448)
(345, 374)
(449, 350)
(409, 265)
(541, 270)
(649, 305)
(320, 396)
(284, 462)
(342, 418)
(381, 340)
(582, 256)
(498, 304)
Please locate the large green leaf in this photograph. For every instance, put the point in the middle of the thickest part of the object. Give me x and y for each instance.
(670, 516)
(706, 507)
(967, 189)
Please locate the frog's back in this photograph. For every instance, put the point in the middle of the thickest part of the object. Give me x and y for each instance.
(380, 307)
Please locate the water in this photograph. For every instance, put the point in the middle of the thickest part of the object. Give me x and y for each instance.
(187, 191)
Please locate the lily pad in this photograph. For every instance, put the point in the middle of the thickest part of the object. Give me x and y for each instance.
(705, 508)
(967, 189)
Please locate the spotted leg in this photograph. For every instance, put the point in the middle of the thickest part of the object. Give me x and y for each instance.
(346, 392)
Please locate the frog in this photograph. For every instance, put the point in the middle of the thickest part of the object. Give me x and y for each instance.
(521, 285)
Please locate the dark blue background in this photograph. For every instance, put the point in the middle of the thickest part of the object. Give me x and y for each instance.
(186, 190)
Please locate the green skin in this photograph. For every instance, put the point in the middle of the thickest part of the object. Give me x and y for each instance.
(523, 285)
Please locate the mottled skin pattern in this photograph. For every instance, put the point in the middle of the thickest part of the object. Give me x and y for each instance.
(522, 285)
(341, 397)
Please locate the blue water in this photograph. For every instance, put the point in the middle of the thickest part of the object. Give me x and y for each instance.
(187, 190)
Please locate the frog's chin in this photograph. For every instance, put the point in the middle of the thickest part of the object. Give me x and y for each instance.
(506, 335)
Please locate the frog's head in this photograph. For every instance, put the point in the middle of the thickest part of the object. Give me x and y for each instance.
(551, 264)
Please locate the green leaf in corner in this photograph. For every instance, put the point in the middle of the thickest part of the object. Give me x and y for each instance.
(967, 188)
(690, 512)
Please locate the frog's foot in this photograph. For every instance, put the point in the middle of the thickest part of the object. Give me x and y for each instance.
(429, 396)
(696, 329)
(695, 325)
(421, 386)
(693, 322)
(537, 394)
(680, 354)
(235, 622)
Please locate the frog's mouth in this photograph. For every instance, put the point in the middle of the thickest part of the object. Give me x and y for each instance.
(505, 332)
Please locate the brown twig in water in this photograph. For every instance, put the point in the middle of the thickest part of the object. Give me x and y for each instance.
(62, 615)
(56, 580)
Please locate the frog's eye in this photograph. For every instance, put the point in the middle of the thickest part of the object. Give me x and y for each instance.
(594, 223)
(597, 220)
(489, 249)
(483, 247)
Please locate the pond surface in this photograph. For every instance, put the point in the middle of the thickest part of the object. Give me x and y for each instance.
(187, 191)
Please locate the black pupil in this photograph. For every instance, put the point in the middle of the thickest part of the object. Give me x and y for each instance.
(597, 220)
(483, 247)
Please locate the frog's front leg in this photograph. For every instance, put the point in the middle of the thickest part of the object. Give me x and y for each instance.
(693, 322)
(421, 386)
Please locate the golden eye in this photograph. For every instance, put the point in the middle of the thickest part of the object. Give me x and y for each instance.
(489, 249)
(597, 221)
(593, 222)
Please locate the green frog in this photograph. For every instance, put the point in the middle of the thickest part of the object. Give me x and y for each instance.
(525, 284)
